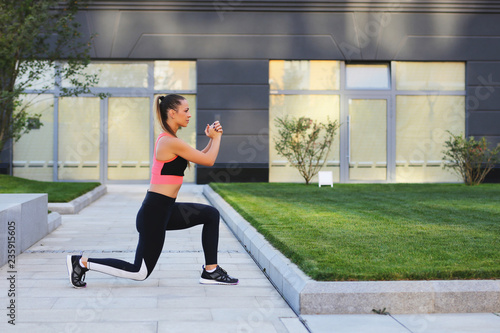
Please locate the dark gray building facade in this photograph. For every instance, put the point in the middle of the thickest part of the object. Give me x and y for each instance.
(233, 44)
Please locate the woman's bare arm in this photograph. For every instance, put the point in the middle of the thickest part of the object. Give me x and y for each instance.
(175, 146)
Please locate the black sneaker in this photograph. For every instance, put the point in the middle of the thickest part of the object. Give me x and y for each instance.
(75, 271)
(219, 276)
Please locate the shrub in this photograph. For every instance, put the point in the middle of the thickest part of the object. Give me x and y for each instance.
(471, 159)
(301, 142)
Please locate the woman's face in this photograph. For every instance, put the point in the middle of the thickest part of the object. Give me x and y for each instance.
(182, 116)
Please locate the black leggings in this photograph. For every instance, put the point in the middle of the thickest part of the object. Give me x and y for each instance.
(157, 214)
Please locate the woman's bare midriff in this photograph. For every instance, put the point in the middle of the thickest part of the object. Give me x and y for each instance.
(170, 190)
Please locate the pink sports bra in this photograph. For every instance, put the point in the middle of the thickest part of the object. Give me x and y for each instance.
(167, 172)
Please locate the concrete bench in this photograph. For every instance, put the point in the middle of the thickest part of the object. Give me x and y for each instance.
(24, 220)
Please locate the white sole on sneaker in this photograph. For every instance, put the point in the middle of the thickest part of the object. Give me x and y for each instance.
(69, 266)
(213, 282)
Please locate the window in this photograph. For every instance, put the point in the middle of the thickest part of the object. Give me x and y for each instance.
(364, 76)
(121, 121)
(393, 126)
(79, 138)
(34, 153)
(304, 75)
(367, 139)
(175, 75)
(422, 120)
(118, 75)
(128, 138)
(436, 76)
(45, 82)
(302, 88)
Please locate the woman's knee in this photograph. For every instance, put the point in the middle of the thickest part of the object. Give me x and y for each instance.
(213, 214)
(141, 276)
(143, 272)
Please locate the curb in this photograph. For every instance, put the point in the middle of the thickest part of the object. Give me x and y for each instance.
(76, 205)
(306, 296)
(54, 221)
(24, 221)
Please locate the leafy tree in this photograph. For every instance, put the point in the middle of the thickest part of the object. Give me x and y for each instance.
(40, 42)
(305, 143)
(470, 158)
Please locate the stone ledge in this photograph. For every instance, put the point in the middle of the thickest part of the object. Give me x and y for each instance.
(76, 205)
(401, 297)
(23, 222)
(307, 296)
(54, 221)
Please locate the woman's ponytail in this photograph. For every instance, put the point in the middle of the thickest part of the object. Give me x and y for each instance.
(163, 104)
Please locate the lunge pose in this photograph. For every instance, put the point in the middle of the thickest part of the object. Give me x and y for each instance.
(159, 211)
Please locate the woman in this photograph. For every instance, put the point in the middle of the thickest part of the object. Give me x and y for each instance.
(159, 211)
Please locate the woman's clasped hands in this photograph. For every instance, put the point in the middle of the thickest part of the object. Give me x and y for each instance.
(213, 130)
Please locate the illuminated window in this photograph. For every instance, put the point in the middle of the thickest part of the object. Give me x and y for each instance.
(128, 138)
(303, 88)
(367, 76)
(118, 75)
(33, 153)
(175, 75)
(79, 138)
(437, 76)
(304, 75)
(422, 121)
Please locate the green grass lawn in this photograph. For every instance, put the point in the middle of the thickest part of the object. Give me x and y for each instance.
(57, 191)
(377, 231)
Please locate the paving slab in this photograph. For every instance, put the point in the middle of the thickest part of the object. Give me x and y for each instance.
(451, 322)
(353, 323)
(170, 300)
(410, 323)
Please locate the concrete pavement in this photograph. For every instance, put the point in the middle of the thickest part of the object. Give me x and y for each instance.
(171, 299)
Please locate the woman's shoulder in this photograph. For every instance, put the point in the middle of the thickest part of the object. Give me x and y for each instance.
(165, 140)
(165, 137)
(166, 146)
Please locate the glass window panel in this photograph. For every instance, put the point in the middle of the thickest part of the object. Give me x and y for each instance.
(304, 75)
(79, 138)
(33, 153)
(422, 123)
(128, 138)
(188, 134)
(318, 107)
(367, 76)
(368, 139)
(175, 75)
(430, 76)
(117, 75)
(45, 80)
